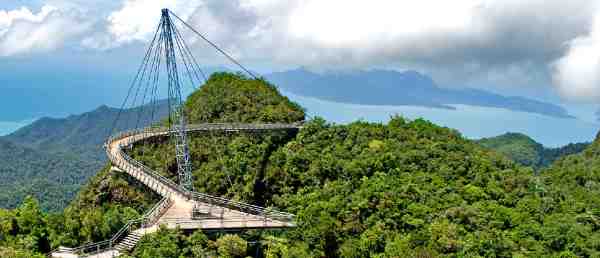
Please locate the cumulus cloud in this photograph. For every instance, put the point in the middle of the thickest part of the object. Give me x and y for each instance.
(137, 19)
(456, 41)
(462, 42)
(577, 74)
(22, 31)
(466, 38)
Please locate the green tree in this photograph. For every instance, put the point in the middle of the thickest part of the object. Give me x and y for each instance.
(232, 246)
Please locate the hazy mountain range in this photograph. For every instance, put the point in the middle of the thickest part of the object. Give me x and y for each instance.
(61, 96)
(385, 87)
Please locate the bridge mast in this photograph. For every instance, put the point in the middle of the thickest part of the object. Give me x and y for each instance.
(177, 119)
(168, 46)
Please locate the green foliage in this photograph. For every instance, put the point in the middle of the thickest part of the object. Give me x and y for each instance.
(52, 158)
(164, 243)
(172, 243)
(23, 231)
(53, 178)
(100, 210)
(231, 246)
(9, 252)
(278, 247)
(228, 97)
(405, 189)
(525, 151)
(373, 190)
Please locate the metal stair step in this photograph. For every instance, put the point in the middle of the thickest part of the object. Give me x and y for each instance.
(130, 243)
(124, 247)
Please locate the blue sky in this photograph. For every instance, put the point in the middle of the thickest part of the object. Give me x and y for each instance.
(543, 49)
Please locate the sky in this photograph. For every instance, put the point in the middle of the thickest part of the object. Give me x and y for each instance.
(546, 49)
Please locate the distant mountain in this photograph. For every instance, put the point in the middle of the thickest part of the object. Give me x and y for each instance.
(52, 157)
(384, 87)
(526, 151)
(82, 131)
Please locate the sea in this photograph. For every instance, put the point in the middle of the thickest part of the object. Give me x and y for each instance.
(473, 122)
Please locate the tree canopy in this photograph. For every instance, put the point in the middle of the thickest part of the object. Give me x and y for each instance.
(527, 152)
(407, 188)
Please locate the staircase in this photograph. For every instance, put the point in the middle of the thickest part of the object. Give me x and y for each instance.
(129, 242)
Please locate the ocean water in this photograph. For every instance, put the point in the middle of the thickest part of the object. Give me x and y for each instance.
(7, 127)
(472, 121)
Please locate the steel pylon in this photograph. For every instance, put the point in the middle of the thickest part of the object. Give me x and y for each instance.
(177, 119)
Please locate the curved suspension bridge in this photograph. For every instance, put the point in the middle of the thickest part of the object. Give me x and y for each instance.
(180, 207)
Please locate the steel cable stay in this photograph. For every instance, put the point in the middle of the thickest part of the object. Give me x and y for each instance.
(220, 50)
(145, 83)
(151, 86)
(155, 83)
(191, 68)
(189, 56)
(165, 51)
(133, 82)
(142, 84)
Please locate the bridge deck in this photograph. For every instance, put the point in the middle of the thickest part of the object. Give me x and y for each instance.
(181, 210)
(214, 213)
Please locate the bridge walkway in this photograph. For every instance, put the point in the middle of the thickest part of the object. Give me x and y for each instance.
(177, 206)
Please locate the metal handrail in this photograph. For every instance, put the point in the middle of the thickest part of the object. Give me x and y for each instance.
(202, 197)
(148, 218)
(127, 163)
(243, 207)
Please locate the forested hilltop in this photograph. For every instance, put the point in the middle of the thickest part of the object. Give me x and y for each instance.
(401, 189)
(526, 151)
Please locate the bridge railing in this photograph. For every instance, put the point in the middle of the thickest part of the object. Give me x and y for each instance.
(206, 127)
(223, 223)
(154, 214)
(129, 163)
(140, 134)
(244, 207)
(148, 219)
(205, 198)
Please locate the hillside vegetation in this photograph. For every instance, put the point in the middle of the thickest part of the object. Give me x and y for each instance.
(53, 178)
(228, 97)
(53, 157)
(526, 151)
(408, 188)
(401, 189)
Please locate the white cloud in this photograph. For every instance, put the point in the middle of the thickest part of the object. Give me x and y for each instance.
(348, 23)
(22, 31)
(8, 17)
(463, 42)
(577, 74)
(463, 37)
(137, 19)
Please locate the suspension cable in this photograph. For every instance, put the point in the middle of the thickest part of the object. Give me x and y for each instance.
(190, 55)
(133, 82)
(214, 46)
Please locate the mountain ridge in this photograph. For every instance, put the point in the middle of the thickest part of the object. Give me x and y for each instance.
(61, 152)
(388, 87)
